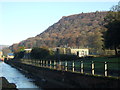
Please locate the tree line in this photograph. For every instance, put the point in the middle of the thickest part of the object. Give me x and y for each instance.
(44, 54)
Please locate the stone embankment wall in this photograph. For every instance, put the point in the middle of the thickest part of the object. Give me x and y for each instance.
(6, 85)
(48, 78)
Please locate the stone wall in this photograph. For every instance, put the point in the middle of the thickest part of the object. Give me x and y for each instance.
(6, 85)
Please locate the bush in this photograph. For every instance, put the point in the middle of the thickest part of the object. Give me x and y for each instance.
(39, 53)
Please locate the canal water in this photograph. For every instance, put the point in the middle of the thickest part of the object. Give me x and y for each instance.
(15, 76)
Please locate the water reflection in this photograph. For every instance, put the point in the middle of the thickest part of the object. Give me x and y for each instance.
(14, 76)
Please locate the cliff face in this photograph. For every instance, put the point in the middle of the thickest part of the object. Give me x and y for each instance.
(80, 30)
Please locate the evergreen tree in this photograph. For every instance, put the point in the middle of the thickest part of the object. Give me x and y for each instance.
(112, 35)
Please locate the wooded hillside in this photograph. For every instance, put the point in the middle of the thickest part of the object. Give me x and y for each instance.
(79, 30)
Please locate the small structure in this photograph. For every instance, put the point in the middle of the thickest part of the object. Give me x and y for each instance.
(78, 52)
(1, 56)
(75, 51)
(28, 50)
(10, 56)
(27, 53)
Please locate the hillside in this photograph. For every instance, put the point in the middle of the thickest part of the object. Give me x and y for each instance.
(3, 46)
(79, 30)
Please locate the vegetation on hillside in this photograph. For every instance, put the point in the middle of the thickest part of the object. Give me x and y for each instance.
(96, 30)
(80, 30)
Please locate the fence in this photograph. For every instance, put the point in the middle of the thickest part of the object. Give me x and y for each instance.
(94, 68)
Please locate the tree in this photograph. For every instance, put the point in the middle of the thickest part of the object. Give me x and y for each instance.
(112, 35)
(39, 53)
(19, 55)
(6, 51)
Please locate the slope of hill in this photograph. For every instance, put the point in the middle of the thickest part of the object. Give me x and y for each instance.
(79, 30)
(3, 46)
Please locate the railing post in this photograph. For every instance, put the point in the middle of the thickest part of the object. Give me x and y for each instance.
(50, 64)
(66, 66)
(93, 71)
(81, 66)
(40, 63)
(46, 63)
(106, 73)
(54, 64)
(60, 68)
(43, 63)
(73, 66)
(60, 63)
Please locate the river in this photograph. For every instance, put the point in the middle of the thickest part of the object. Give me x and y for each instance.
(15, 76)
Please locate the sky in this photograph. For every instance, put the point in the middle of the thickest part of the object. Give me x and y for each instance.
(22, 19)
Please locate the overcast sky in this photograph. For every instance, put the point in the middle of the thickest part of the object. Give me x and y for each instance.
(21, 20)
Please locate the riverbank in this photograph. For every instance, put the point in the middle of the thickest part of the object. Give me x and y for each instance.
(49, 78)
(6, 85)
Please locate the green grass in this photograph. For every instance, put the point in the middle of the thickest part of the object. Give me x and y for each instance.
(99, 62)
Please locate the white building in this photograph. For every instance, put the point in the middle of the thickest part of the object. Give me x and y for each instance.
(75, 51)
(10, 56)
(80, 52)
(28, 50)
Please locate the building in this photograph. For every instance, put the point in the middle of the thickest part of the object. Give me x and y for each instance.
(28, 50)
(10, 56)
(78, 52)
(1, 56)
(1, 53)
(74, 51)
(27, 53)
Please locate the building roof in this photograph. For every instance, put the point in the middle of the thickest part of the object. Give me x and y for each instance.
(10, 54)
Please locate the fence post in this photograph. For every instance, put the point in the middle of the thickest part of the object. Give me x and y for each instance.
(43, 63)
(93, 71)
(46, 63)
(73, 66)
(40, 63)
(106, 74)
(81, 66)
(60, 65)
(66, 66)
(50, 64)
(54, 64)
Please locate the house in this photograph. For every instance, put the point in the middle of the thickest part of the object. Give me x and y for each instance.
(75, 51)
(28, 50)
(1, 56)
(27, 53)
(10, 56)
(1, 53)
(78, 52)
